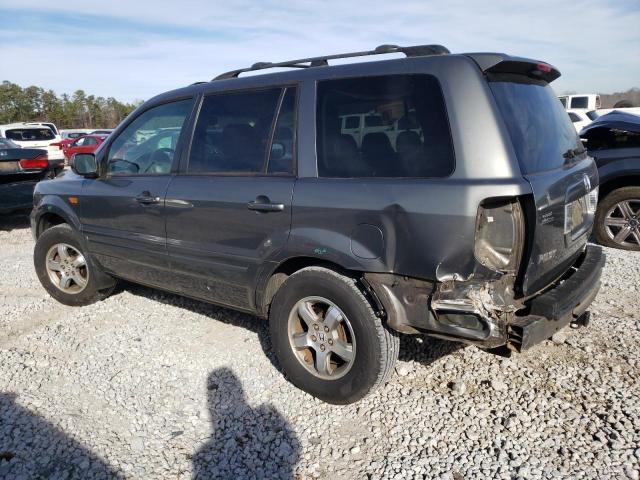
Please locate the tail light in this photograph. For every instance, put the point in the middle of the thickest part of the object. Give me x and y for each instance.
(56, 144)
(499, 234)
(576, 211)
(38, 163)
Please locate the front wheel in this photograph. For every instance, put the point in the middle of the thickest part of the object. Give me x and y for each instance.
(617, 222)
(327, 337)
(64, 270)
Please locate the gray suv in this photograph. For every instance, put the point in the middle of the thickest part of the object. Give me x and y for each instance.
(436, 194)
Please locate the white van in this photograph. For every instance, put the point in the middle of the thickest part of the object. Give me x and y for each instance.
(34, 136)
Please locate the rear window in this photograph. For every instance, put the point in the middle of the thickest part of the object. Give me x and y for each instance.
(385, 146)
(540, 129)
(30, 134)
(579, 102)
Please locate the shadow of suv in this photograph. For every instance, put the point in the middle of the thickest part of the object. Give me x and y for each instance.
(471, 224)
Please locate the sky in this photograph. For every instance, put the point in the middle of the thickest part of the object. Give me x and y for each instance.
(134, 49)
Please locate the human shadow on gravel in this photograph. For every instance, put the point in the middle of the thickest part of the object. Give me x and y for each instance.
(31, 447)
(14, 221)
(246, 442)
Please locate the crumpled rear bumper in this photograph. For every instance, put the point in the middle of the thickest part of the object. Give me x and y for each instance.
(560, 305)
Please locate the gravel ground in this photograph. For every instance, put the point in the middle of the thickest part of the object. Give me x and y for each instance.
(152, 385)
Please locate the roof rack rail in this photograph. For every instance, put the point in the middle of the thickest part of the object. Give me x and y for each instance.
(410, 51)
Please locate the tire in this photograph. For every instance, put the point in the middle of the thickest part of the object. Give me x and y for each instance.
(609, 211)
(373, 347)
(75, 295)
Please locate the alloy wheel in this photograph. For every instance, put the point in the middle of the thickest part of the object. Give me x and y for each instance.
(622, 223)
(321, 337)
(67, 268)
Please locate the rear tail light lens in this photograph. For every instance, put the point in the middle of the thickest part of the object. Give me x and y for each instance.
(575, 212)
(38, 163)
(499, 234)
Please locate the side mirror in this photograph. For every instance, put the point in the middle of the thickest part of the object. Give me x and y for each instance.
(85, 164)
(277, 150)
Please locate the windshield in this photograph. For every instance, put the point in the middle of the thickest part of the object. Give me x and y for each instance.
(30, 134)
(540, 129)
(592, 115)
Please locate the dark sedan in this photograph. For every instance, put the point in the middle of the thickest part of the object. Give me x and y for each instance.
(614, 141)
(20, 170)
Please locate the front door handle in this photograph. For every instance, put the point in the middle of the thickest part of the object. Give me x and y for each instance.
(147, 199)
(263, 204)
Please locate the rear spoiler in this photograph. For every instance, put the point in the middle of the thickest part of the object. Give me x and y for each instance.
(501, 63)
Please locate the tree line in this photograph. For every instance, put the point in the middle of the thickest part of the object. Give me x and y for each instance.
(35, 104)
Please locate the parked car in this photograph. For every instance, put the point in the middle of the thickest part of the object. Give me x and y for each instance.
(614, 141)
(589, 101)
(75, 133)
(475, 230)
(84, 144)
(581, 117)
(35, 136)
(20, 170)
(6, 143)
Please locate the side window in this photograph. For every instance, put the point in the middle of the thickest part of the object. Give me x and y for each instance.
(281, 159)
(574, 118)
(79, 142)
(406, 131)
(352, 122)
(232, 132)
(89, 141)
(138, 149)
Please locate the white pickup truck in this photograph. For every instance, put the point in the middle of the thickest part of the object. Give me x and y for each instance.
(587, 101)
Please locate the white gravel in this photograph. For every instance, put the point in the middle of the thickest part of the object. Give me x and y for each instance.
(151, 385)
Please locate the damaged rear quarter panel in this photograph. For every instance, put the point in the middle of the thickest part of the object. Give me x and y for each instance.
(428, 226)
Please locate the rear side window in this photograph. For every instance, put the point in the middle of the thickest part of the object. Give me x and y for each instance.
(540, 129)
(233, 132)
(388, 145)
(352, 122)
(30, 134)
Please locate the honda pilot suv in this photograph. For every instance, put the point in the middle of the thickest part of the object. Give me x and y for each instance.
(249, 191)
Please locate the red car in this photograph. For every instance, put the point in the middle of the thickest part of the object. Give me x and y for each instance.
(86, 144)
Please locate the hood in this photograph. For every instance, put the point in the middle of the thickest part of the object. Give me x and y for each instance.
(615, 120)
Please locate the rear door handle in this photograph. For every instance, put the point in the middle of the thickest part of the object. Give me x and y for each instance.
(146, 199)
(263, 204)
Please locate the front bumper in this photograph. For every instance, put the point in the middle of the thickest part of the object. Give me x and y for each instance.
(560, 305)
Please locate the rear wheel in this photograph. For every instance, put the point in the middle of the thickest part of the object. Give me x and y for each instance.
(64, 270)
(327, 337)
(617, 222)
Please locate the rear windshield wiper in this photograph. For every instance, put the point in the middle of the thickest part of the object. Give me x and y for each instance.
(574, 152)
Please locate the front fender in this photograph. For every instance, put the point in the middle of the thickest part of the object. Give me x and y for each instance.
(53, 204)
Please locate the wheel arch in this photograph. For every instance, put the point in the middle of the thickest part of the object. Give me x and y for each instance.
(277, 276)
(52, 211)
(611, 184)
